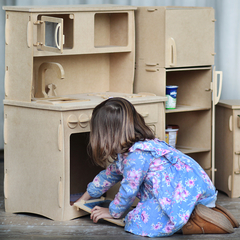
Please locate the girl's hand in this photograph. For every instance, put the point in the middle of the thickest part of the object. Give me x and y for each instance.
(99, 212)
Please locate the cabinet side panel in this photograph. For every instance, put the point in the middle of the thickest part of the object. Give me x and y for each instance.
(19, 63)
(33, 162)
(223, 149)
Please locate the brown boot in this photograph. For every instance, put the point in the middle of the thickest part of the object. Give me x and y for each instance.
(206, 220)
(227, 214)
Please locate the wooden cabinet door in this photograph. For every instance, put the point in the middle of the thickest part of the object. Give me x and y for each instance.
(33, 162)
(52, 34)
(189, 37)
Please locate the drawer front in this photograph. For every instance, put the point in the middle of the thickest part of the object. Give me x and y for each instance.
(149, 112)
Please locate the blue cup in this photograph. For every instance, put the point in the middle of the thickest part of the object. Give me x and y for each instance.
(171, 94)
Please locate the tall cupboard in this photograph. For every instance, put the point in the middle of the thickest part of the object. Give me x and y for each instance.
(175, 46)
(228, 147)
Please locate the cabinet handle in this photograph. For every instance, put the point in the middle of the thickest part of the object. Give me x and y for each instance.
(230, 182)
(6, 29)
(5, 129)
(5, 185)
(6, 81)
(60, 137)
(152, 64)
(151, 10)
(151, 70)
(58, 27)
(173, 52)
(60, 193)
(217, 92)
(238, 172)
(29, 34)
(238, 121)
(230, 123)
(209, 89)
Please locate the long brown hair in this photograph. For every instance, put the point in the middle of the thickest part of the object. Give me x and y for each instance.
(115, 127)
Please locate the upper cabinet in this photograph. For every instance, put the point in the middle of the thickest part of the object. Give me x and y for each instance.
(93, 45)
(83, 32)
(169, 39)
(79, 29)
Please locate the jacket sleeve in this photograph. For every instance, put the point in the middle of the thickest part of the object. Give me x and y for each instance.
(104, 181)
(135, 170)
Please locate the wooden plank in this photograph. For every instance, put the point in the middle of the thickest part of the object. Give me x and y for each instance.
(84, 205)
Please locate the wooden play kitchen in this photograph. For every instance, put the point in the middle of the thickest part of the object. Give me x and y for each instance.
(51, 88)
(62, 61)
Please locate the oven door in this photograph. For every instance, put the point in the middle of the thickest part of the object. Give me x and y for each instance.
(52, 37)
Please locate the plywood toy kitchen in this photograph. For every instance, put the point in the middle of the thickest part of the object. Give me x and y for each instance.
(62, 61)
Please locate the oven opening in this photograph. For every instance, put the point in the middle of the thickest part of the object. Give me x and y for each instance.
(82, 167)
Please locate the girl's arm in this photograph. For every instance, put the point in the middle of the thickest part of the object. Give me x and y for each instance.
(104, 181)
(135, 170)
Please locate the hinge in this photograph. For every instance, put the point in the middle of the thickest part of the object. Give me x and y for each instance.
(38, 22)
(209, 89)
(37, 44)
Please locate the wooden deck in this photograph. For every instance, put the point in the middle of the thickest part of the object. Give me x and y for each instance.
(30, 226)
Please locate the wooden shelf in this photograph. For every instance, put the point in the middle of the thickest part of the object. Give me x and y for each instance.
(188, 150)
(188, 68)
(183, 108)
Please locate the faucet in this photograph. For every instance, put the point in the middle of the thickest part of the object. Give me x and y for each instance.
(40, 91)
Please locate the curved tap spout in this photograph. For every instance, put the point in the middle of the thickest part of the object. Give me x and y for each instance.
(40, 91)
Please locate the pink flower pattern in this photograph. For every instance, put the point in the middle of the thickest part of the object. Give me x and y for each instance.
(144, 217)
(157, 226)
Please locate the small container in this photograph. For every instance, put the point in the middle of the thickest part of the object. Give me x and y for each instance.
(171, 133)
(171, 94)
